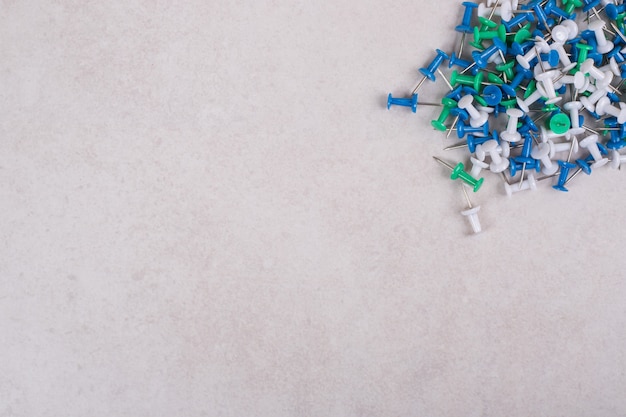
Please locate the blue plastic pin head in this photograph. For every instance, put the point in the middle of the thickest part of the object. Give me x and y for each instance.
(492, 95)
(405, 102)
(466, 23)
(565, 167)
(429, 72)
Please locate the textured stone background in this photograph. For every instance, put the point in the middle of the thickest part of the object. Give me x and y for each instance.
(207, 211)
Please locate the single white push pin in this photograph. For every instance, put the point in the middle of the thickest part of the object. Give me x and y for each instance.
(542, 152)
(603, 106)
(498, 163)
(591, 144)
(471, 213)
(477, 118)
(563, 147)
(604, 45)
(511, 134)
(528, 184)
(573, 107)
(546, 79)
(477, 167)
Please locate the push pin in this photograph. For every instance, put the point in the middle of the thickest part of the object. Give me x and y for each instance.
(458, 172)
(429, 72)
(565, 167)
(528, 184)
(405, 102)
(471, 213)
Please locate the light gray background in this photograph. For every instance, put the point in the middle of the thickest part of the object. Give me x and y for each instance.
(208, 211)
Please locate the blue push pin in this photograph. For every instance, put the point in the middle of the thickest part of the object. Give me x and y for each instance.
(463, 129)
(521, 74)
(591, 5)
(463, 63)
(406, 102)
(492, 95)
(434, 65)
(429, 72)
(612, 10)
(518, 20)
(584, 166)
(551, 9)
(565, 167)
(480, 58)
(542, 17)
(466, 23)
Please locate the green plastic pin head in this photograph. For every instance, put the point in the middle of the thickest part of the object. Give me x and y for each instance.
(560, 123)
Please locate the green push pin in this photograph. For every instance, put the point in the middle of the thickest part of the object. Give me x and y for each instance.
(570, 5)
(560, 123)
(494, 79)
(522, 35)
(530, 88)
(480, 36)
(458, 171)
(448, 105)
(481, 101)
(582, 54)
(507, 69)
(509, 104)
(475, 82)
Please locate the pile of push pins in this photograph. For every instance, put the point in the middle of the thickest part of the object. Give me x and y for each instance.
(538, 93)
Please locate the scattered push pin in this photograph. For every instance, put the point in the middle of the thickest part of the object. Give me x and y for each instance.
(405, 102)
(458, 171)
(471, 213)
(528, 184)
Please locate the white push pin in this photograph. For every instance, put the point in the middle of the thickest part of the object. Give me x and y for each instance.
(612, 66)
(511, 134)
(588, 67)
(525, 104)
(528, 184)
(471, 213)
(604, 45)
(542, 152)
(547, 134)
(616, 159)
(541, 46)
(573, 107)
(477, 167)
(578, 79)
(563, 147)
(498, 163)
(545, 78)
(590, 102)
(603, 106)
(591, 144)
(477, 118)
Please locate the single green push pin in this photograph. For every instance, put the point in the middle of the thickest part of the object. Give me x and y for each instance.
(480, 36)
(522, 35)
(475, 82)
(448, 105)
(570, 5)
(494, 79)
(485, 25)
(530, 88)
(510, 103)
(583, 51)
(560, 123)
(506, 69)
(458, 171)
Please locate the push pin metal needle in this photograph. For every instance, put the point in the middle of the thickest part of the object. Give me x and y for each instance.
(458, 172)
